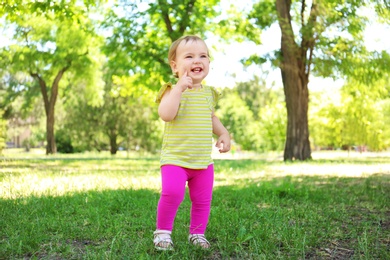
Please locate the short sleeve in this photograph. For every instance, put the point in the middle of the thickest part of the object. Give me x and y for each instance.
(162, 91)
(216, 95)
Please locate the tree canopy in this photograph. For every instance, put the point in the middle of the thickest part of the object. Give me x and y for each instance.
(101, 64)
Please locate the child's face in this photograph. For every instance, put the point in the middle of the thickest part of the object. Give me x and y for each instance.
(192, 57)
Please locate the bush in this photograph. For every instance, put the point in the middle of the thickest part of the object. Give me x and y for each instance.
(63, 142)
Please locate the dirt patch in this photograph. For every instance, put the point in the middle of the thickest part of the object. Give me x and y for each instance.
(337, 250)
(78, 248)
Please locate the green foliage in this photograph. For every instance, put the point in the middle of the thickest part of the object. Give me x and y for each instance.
(63, 142)
(136, 54)
(115, 55)
(48, 42)
(255, 115)
(61, 10)
(325, 121)
(232, 27)
(236, 116)
(324, 38)
(358, 115)
(341, 43)
(256, 94)
(263, 14)
(364, 115)
(383, 11)
(144, 30)
(272, 126)
(127, 117)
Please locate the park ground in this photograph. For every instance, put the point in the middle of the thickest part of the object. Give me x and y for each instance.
(96, 206)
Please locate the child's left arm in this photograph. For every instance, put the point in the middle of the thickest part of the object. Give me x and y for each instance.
(223, 143)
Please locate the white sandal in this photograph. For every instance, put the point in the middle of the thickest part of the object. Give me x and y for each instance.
(199, 240)
(162, 240)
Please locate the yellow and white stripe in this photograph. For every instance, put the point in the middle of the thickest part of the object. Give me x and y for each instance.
(187, 140)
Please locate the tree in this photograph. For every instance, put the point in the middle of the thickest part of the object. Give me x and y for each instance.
(142, 36)
(326, 117)
(272, 124)
(323, 37)
(3, 131)
(355, 115)
(364, 115)
(49, 40)
(295, 68)
(136, 61)
(256, 94)
(254, 114)
(238, 119)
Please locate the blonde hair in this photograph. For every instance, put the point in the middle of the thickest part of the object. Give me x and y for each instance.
(175, 44)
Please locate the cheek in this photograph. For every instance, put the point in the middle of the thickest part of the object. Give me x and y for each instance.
(184, 64)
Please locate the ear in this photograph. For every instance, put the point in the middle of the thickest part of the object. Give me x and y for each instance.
(173, 67)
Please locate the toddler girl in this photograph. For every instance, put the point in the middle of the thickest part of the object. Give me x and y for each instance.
(188, 111)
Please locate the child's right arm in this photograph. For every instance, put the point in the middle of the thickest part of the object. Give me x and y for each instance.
(169, 104)
(170, 101)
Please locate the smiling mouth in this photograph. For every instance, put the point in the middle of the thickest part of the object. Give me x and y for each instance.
(197, 70)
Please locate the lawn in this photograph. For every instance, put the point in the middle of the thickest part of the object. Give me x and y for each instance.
(95, 206)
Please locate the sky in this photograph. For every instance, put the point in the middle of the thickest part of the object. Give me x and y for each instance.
(226, 68)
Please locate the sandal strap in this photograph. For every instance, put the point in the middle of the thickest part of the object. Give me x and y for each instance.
(198, 239)
(163, 236)
(158, 232)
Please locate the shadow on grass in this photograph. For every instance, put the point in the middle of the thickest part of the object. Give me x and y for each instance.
(117, 167)
(76, 162)
(289, 218)
(368, 160)
(304, 217)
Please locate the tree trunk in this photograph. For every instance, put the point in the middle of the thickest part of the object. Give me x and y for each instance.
(49, 103)
(113, 144)
(51, 147)
(297, 144)
(295, 83)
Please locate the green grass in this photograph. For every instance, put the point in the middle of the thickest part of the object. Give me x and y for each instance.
(99, 207)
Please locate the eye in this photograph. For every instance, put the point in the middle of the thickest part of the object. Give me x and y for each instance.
(204, 56)
(188, 57)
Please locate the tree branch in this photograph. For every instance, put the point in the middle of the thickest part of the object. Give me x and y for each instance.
(165, 14)
(303, 7)
(43, 87)
(308, 39)
(289, 47)
(54, 88)
(186, 16)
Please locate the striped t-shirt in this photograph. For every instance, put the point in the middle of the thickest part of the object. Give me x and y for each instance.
(187, 140)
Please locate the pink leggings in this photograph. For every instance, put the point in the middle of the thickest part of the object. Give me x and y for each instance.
(200, 184)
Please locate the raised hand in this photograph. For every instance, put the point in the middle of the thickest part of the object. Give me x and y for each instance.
(184, 82)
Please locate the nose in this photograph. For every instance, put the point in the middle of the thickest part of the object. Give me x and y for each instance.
(196, 61)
